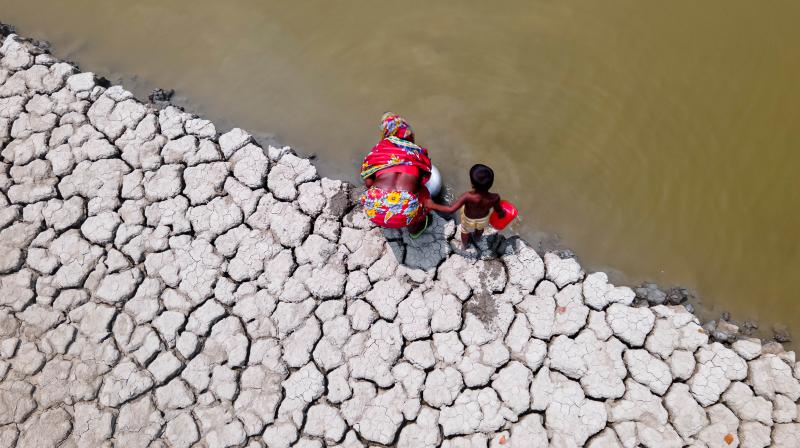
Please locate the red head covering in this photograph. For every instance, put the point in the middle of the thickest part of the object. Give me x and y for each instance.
(393, 125)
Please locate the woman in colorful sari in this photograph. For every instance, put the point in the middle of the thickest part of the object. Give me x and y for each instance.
(395, 172)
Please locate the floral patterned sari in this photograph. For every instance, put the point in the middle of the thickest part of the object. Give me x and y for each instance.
(394, 209)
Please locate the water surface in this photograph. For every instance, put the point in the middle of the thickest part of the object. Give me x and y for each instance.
(656, 138)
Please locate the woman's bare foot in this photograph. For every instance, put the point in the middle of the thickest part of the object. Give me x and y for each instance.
(416, 230)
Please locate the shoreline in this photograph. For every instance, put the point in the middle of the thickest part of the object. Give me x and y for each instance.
(702, 305)
(152, 266)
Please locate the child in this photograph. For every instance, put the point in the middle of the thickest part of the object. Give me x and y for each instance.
(477, 205)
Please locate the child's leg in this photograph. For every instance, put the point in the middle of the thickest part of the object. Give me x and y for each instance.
(477, 235)
(464, 239)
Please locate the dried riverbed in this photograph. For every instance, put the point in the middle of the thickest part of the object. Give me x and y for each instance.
(165, 285)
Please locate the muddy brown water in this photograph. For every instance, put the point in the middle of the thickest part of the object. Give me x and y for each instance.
(659, 139)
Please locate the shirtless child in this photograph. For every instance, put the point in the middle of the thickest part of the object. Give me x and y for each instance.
(477, 205)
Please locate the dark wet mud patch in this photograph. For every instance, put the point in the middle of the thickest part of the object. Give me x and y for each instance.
(483, 306)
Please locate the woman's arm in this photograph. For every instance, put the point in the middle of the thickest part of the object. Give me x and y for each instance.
(446, 208)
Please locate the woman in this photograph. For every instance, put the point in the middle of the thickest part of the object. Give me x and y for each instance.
(395, 172)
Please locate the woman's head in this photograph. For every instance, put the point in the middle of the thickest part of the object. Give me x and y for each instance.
(482, 177)
(393, 125)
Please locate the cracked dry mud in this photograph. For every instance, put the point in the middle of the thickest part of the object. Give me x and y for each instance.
(163, 285)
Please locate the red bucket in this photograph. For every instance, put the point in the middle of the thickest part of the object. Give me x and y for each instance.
(500, 223)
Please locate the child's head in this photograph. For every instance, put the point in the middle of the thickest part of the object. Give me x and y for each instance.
(482, 177)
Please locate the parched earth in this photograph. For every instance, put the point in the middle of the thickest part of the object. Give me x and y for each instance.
(164, 285)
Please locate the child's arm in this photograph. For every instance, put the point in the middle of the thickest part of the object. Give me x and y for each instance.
(497, 208)
(446, 208)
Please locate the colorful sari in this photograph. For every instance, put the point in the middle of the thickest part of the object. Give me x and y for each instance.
(394, 209)
(395, 152)
(392, 152)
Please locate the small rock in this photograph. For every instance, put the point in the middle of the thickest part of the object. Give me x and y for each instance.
(161, 96)
(781, 334)
(651, 293)
(725, 331)
(749, 327)
(678, 295)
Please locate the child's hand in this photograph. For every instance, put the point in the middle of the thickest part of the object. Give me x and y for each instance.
(501, 213)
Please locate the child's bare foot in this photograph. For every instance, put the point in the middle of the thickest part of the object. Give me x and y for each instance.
(465, 250)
